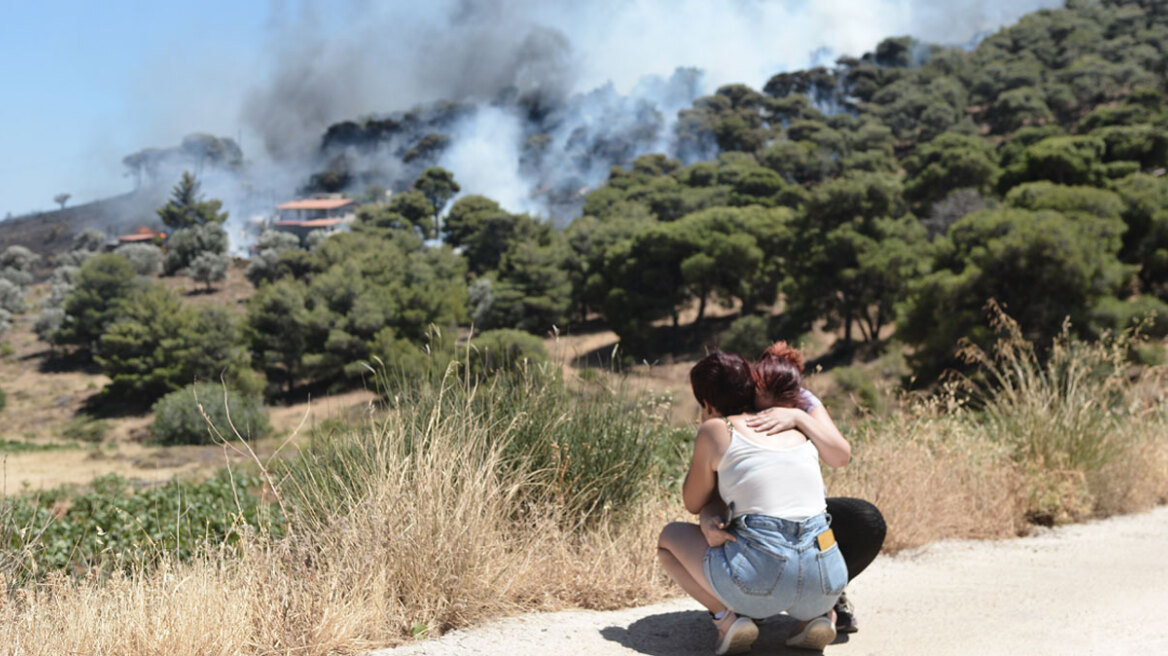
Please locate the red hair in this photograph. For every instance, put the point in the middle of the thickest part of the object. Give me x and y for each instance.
(778, 375)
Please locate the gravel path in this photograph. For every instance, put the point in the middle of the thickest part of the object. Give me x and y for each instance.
(1098, 588)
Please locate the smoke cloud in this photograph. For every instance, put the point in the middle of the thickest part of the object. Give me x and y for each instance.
(598, 78)
(547, 94)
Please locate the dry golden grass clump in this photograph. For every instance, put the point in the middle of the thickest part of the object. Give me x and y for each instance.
(933, 479)
(1025, 439)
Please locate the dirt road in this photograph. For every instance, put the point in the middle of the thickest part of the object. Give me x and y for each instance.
(1098, 588)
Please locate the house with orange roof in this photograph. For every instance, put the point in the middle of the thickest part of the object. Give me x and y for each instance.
(328, 213)
(143, 236)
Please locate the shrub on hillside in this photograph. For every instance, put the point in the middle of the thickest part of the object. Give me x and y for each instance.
(1147, 313)
(185, 245)
(3, 399)
(11, 297)
(505, 350)
(86, 244)
(747, 336)
(145, 258)
(85, 429)
(265, 264)
(209, 267)
(860, 389)
(100, 289)
(159, 343)
(178, 416)
(16, 263)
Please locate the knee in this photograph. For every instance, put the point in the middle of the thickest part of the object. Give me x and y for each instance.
(670, 534)
(665, 556)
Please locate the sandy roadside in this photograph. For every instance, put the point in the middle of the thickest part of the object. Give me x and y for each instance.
(1098, 588)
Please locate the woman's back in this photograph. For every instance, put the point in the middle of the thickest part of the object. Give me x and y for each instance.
(777, 475)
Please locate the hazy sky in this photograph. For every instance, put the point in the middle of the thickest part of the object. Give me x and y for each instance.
(86, 82)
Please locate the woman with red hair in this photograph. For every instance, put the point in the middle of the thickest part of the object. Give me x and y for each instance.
(781, 402)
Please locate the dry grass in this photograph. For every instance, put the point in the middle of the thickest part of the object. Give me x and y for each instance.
(437, 535)
(933, 478)
(1073, 435)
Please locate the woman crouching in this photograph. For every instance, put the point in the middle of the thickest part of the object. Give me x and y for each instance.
(763, 545)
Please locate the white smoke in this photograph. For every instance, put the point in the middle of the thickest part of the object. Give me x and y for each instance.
(485, 155)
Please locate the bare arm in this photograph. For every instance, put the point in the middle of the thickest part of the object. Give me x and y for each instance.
(820, 414)
(700, 486)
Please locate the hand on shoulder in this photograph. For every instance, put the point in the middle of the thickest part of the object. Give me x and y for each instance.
(773, 421)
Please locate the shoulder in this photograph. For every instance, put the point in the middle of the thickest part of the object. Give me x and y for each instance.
(808, 401)
(714, 426)
(714, 432)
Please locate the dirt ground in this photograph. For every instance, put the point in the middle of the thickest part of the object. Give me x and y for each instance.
(1098, 588)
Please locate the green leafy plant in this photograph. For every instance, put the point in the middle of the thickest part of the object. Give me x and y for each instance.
(747, 336)
(198, 413)
(112, 523)
(505, 350)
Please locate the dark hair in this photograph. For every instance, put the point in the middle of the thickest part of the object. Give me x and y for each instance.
(778, 374)
(725, 381)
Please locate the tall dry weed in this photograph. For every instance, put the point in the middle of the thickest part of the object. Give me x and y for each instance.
(1074, 418)
(932, 478)
(413, 528)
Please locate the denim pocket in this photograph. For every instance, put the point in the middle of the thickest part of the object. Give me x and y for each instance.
(755, 572)
(833, 572)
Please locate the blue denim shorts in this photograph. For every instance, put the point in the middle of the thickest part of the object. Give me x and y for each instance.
(776, 566)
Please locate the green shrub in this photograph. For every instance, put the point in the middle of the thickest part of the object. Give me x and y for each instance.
(179, 420)
(3, 399)
(1149, 354)
(504, 350)
(858, 386)
(145, 258)
(1146, 313)
(85, 429)
(747, 336)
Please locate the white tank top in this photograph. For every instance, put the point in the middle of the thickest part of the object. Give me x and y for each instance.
(779, 482)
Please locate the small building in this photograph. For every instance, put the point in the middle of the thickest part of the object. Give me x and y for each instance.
(311, 209)
(300, 217)
(143, 236)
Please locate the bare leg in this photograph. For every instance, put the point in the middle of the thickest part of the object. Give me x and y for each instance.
(681, 549)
